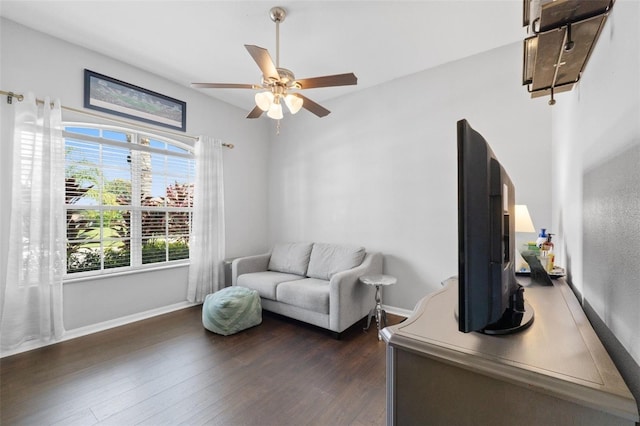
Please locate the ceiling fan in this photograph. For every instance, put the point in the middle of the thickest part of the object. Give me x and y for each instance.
(279, 84)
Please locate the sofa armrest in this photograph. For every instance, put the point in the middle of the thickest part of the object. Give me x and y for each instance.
(248, 264)
(349, 299)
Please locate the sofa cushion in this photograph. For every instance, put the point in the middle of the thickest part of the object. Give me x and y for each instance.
(231, 310)
(328, 259)
(310, 293)
(265, 282)
(291, 258)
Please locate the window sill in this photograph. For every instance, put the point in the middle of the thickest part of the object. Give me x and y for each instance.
(96, 277)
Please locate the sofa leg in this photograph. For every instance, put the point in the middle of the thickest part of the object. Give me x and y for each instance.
(336, 335)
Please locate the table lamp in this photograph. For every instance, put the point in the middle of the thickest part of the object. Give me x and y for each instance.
(524, 224)
(523, 219)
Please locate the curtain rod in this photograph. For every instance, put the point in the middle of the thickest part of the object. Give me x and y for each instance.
(20, 98)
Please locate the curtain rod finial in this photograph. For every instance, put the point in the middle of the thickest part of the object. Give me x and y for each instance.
(11, 95)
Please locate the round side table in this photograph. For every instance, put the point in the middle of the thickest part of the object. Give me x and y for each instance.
(377, 311)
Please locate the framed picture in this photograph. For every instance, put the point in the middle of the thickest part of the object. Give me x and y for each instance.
(113, 96)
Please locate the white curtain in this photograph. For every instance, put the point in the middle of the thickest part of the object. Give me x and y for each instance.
(31, 290)
(207, 245)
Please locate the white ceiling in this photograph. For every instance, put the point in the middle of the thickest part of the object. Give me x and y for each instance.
(202, 41)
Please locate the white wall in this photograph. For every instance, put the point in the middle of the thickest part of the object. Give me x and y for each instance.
(596, 197)
(32, 61)
(380, 170)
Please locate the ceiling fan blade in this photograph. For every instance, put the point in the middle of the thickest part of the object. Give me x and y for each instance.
(264, 61)
(255, 113)
(328, 81)
(315, 108)
(224, 86)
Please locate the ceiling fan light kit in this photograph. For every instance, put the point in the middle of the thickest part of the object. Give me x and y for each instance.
(293, 102)
(275, 110)
(279, 84)
(264, 100)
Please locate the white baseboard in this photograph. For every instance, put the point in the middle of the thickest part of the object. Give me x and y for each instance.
(95, 328)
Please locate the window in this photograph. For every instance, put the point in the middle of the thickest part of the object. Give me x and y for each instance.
(129, 199)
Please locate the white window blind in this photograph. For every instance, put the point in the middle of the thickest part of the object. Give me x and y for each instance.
(129, 199)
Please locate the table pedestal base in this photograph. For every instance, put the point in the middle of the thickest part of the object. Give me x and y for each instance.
(379, 314)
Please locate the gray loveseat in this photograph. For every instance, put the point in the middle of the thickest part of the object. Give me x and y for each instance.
(312, 282)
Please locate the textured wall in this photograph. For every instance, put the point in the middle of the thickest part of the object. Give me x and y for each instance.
(596, 188)
(596, 140)
(611, 255)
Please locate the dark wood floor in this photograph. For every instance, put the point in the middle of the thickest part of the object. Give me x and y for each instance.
(170, 370)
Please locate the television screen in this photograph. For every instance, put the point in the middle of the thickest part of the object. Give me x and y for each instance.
(490, 300)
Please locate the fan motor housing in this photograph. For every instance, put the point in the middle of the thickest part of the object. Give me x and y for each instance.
(286, 76)
(287, 79)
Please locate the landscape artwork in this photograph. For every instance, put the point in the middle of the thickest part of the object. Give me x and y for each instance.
(113, 96)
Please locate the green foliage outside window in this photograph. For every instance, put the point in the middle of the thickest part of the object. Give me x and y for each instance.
(100, 238)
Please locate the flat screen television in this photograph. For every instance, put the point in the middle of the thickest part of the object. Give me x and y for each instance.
(490, 300)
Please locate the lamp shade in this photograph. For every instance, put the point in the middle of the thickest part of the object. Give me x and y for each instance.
(523, 219)
(293, 102)
(264, 100)
(275, 111)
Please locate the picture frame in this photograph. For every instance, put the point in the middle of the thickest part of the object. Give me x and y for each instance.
(107, 94)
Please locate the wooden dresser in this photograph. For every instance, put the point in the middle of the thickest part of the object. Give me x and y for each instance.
(554, 373)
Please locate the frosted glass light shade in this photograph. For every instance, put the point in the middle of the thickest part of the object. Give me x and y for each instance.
(293, 102)
(523, 219)
(264, 100)
(275, 111)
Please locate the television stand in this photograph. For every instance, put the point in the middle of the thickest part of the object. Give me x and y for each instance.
(512, 320)
(554, 372)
